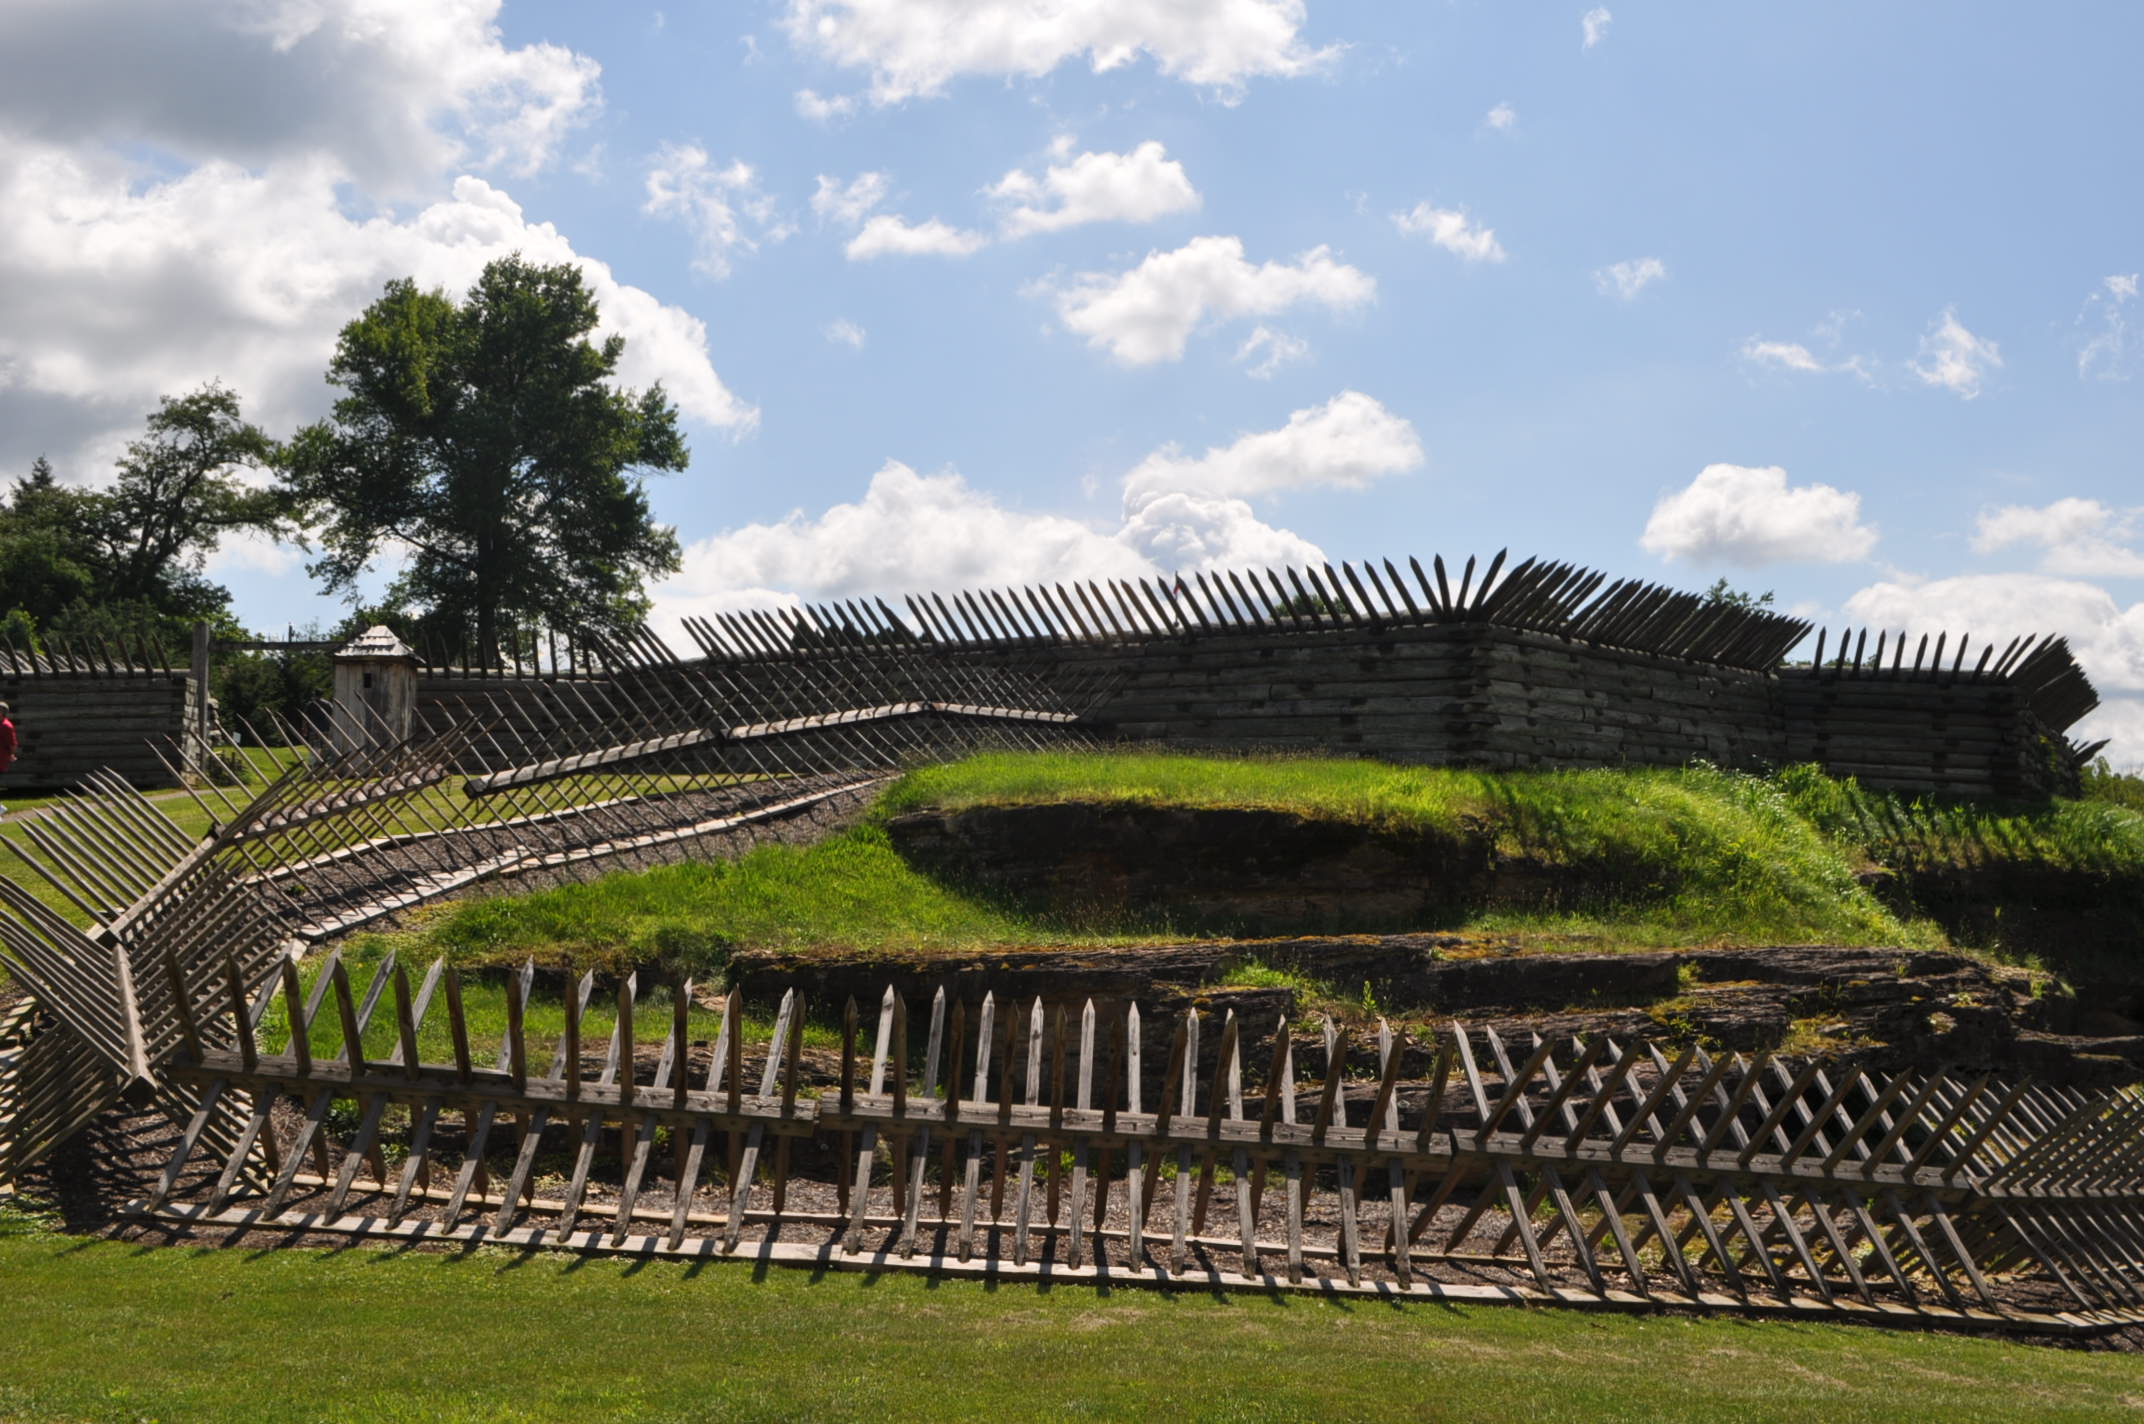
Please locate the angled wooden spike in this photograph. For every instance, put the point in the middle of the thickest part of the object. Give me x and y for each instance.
(241, 1016)
(1075, 1217)
(885, 1056)
(971, 1186)
(1186, 1105)
(1216, 1104)
(517, 1065)
(1336, 1047)
(680, 1034)
(405, 1024)
(625, 1036)
(300, 1049)
(1488, 578)
(572, 1003)
(1024, 1195)
(182, 1002)
(458, 1026)
(1515, 1085)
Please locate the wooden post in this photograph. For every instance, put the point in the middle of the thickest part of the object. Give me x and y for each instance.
(197, 711)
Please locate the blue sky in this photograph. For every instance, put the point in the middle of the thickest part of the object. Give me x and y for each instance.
(1838, 301)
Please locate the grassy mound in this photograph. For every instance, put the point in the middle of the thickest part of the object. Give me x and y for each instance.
(1694, 856)
(1678, 856)
(849, 891)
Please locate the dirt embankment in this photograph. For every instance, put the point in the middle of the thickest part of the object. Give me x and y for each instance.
(1220, 870)
(1885, 1008)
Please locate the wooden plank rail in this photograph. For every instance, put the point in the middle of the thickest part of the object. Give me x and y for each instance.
(1599, 1171)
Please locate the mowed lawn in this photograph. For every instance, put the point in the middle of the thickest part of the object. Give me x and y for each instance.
(105, 1331)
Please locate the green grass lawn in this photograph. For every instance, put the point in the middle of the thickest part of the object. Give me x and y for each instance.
(1684, 856)
(104, 1331)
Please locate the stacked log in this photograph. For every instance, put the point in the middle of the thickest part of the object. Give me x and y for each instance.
(69, 724)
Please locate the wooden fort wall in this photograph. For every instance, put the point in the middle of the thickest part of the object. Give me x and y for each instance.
(1476, 695)
(1436, 694)
(72, 723)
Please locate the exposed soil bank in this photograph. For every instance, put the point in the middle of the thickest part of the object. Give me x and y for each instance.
(1886, 1008)
(1214, 870)
(2087, 924)
(1241, 872)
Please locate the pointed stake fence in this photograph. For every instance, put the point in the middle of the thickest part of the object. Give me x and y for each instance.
(1026, 1139)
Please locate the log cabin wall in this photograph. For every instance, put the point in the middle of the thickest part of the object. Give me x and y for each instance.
(69, 724)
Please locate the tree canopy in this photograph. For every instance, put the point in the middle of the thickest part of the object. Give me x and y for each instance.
(1722, 594)
(130, 559)
(485, 437)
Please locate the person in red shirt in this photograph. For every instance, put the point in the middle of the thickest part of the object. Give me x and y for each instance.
(7, 743)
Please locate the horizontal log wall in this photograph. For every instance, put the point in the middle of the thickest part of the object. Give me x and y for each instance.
(1956, 735)
(1437, 694)
(69, 725)
(1458, 694)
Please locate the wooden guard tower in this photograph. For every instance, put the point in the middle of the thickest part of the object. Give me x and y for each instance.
(375, 690)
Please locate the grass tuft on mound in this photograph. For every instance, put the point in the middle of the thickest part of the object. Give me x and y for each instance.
(849, 891)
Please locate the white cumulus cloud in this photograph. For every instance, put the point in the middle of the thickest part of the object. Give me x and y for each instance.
(909, 531)
(1594, 25)
(250, 551)
(1826, 357)
(1954, 358)
(1783, 355)
(1179, 531)
(397, 92)
(1139, 186)
(1501, 117)
(1624, 280)
(1272, 350)
(1346, 443)
(211, 190)
(915, 48)
(848, 203)
(2079, 537)
(115, 289)
(724, 208)
(912, 532)
(1148, 313)
(890, 235)
(1750, 516)
(843, 332)
(1452, 230)
(824, 109)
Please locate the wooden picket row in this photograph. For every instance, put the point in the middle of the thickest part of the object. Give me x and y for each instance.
(1534, 594)
(1600, 1171)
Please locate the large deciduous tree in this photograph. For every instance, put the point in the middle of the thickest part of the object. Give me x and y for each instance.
(198, 474)
(129, 560)
(485, 436)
